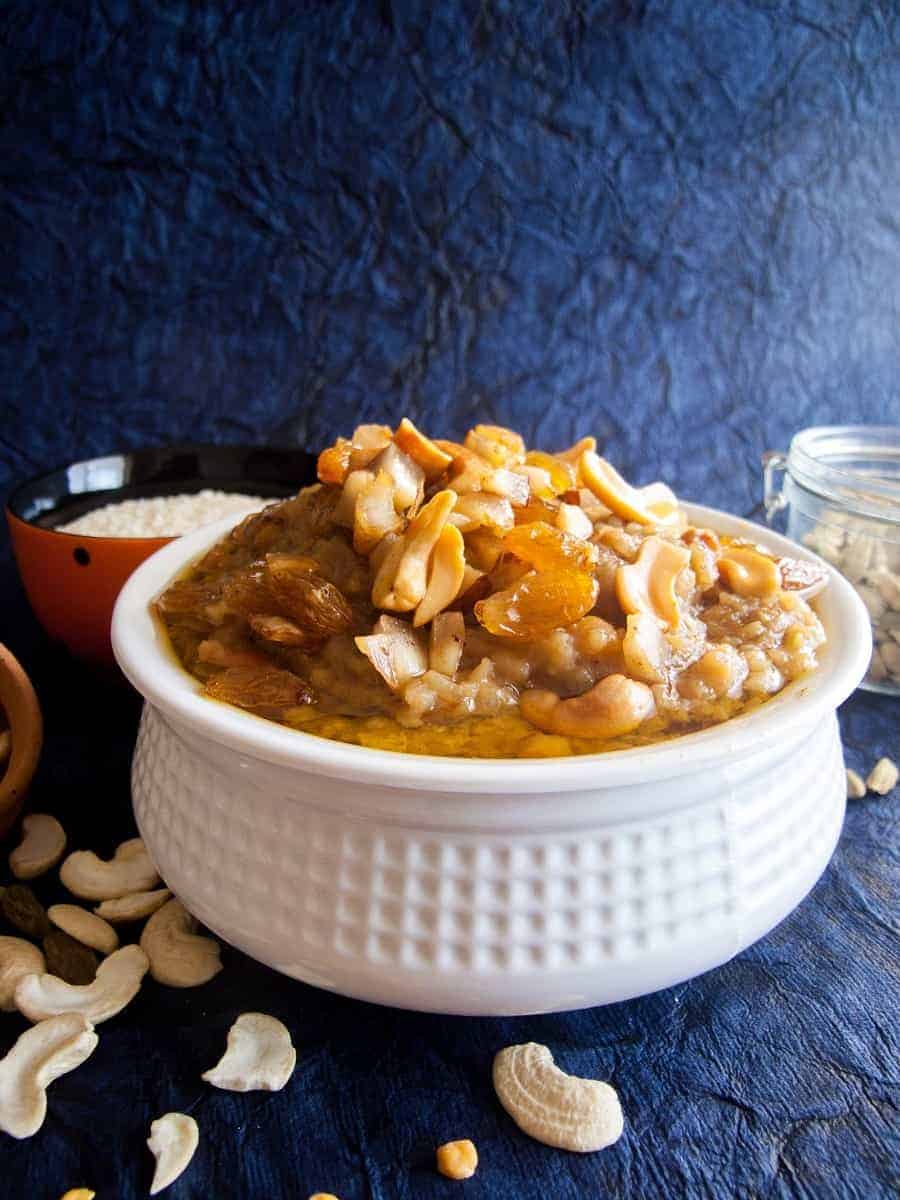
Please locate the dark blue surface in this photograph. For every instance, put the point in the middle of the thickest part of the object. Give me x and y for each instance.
(674, 226)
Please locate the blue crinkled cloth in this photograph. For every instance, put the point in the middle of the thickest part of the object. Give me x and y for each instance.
(672, 225)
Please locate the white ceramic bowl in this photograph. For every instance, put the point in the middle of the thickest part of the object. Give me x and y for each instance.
(487, 886)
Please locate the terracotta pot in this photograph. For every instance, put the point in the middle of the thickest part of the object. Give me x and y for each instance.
(23, 715)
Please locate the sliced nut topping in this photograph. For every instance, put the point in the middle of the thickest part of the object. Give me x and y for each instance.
(259, 1056)
(40, 1056)
(396, 653)
(421, 449)
(477, 510)
(746, 572)
(173, 1142)
(132, 908)
(612, 490)
(401, 582)
(552, 1107)
(42, 846)
(17, 959)
(501, 447)
(574, 520)
(178, 956)
(614, 706)
(84, 926)
(644, 648)
(374, 514)
(91, 878)
(117, 983)
(448, 634)
(446, 574)
(407, 477)
(648, 585)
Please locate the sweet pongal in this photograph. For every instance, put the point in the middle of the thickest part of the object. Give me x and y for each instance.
(483, 599)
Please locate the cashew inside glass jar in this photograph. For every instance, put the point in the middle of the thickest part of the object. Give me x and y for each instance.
(483, 599)
(841, 495)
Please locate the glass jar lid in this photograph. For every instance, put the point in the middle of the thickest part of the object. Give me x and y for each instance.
(854, 466)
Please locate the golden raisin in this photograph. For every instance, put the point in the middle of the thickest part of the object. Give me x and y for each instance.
(314, 603)
(538, 603)
(279, 630)
(546, 548)
(184, 602)
(334, 463)
(457, 1160)
(261, 690)
(562, 477)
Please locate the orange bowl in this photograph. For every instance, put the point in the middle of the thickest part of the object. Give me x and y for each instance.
(23, 714)
(71, 580)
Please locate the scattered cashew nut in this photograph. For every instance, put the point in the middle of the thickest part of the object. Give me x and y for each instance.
(614, 706)
(79, 1194)
(134, 907)
(883, 777)
(84, 926)
(91, 878)
(259, 1056)
(179, 956)
(17, 959)
(117, 982)
(42, 846)
(173, 1141)
(41, 1055)
(552, 1107)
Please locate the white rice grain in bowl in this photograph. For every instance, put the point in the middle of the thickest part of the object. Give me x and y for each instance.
(162, 516)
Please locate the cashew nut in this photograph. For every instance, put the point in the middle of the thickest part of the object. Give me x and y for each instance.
(79, 1194)
(648, 585)
(746, 572)
(500, 446)
(395, 651)
(401, 581)
(644, 648)
(553, 1107)
(91, 878)
(612, 490)
(179, 957)
(41, 1055)
(259, 1056)
(132, 908)
(446, 573)
(448, 633)
(571, 518)
(477, 510)
(84, 926)
(115, 985)
(883, 777)
(407, 477)
(374, 514)
(614, 706)
(421, 449)
(17, 959)
(42, 846)
(173, 1141)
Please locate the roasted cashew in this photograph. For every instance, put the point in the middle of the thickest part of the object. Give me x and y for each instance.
(448, 633)
(614, 706)
(374, 514)
(445, 575)
(117, 982)
(17, 959)
(40, 1055)
(648, 584)
(91, 878)
(552, 1107)
(42, 846)
(173, 1141)
(395, 650)
(402, 578)
(179, 957)
(86, 927)
(421, 449)
(644, 648)
(746, 572)
(259, 1056)
(134, 907)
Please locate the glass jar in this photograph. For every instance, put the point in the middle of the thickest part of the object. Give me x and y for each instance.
(840, 487)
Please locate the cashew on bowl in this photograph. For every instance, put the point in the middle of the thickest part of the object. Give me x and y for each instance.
(483, 599)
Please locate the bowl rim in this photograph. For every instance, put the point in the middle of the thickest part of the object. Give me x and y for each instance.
(27, 729)
(143, 654)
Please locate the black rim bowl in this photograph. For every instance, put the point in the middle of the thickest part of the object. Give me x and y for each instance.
(69, 492)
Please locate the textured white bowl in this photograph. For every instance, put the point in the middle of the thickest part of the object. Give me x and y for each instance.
(487, 886)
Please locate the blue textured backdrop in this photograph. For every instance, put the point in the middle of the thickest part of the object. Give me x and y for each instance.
(673, 225)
